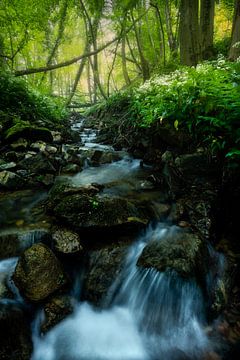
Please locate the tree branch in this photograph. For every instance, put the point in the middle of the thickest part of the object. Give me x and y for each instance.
(76, 59)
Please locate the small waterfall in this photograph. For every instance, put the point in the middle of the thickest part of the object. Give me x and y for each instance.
(149, 315)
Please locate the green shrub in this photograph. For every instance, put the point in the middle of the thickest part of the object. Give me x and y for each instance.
(18, 100)
(204, 101)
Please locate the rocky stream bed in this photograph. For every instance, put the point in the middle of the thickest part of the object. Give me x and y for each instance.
(108, 256)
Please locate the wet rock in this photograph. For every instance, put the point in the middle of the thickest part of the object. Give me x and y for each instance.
(46, 180)
(5, 292)
(15, 333)
(19, 145)
(179, 250)
(13, 156)
(105, 157)
(38, 273)
(37, 164)
(57, 137)
(38, 146)
(51, 149)
(167, 157)
(66, 241)
(57, 309)
(220, 279)
(94, 213)
(11, 181)
(197, 167)
(23, 129)
(71, 169)
(103, 268)
(7, 166)
(60, 190)
(13, 243)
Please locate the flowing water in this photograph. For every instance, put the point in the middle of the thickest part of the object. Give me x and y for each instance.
(147, 315)
(151, 315)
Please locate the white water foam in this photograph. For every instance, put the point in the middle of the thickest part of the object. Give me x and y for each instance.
(151, 316)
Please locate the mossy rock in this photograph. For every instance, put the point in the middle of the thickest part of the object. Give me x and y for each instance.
(181, 251)
(23, 129)
(99, 212)
(38, 273)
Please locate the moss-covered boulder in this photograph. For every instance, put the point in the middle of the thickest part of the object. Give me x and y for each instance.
(178, 250)
(99, 212)
(23, 129)
(38, 273)
(37, 164)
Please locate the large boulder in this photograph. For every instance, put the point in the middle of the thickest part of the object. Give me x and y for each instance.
(37, 164)
(39, 273)
(103, 267)
(11, 181)
(99, 212)
(179, 250)
(197, 167)
(23, 129)
(15, 333)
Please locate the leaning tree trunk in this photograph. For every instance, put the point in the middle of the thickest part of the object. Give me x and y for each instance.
(207, 28)
(189, 33)
(234, 52)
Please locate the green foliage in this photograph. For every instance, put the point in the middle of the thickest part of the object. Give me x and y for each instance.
(204, 101)
(19, 101)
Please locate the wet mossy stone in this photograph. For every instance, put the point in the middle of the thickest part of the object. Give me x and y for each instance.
(23, 129)
(180, 250)
(99, 212)
(39, 273)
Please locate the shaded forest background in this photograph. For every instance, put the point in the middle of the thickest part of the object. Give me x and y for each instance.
(86, 50)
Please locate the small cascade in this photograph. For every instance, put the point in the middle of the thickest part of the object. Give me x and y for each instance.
(148, 315)
(121, 169)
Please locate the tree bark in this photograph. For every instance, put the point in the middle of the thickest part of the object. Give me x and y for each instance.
(124, 61)
(61, 26)
(171, 39)
(143, 61)
(161, 32)
(234, 52)
(207, 28)
(189, 33)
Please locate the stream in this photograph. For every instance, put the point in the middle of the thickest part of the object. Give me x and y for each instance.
(147, 314)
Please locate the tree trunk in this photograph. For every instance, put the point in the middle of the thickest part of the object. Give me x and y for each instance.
(207, 28)
(61, 27)
(171, 39)
(189, 33)
(124, 62)
(160, 32)
(143, 61)
(77, 78)
(234, 52)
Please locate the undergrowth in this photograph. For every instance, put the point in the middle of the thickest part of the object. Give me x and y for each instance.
(204, 101)
(19, 101)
